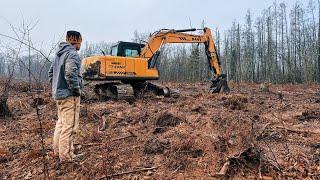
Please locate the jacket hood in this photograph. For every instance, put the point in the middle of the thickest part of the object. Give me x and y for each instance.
(64, 47)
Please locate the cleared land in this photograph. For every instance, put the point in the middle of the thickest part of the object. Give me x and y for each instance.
(252, 133)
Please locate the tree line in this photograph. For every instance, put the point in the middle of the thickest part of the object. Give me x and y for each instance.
(280, 45)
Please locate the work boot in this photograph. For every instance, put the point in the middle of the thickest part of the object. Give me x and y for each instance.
(65, 167)
(75, 159)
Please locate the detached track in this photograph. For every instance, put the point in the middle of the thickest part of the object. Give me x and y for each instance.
(202, 132)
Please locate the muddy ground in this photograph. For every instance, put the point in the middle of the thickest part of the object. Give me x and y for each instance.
(248, 134)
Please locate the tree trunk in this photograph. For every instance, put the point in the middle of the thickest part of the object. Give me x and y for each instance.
(282, 43)
(318, 76)
(276, 44)
(239, 54)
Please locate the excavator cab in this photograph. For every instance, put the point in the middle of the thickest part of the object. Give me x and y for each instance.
(126, 49)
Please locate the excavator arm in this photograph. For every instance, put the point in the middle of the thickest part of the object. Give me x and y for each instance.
(152, 50)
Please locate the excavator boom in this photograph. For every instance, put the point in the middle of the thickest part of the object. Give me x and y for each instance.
(165, 36)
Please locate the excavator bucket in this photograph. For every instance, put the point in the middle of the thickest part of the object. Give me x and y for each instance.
(219, 85)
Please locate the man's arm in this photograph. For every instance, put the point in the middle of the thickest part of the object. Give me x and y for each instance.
(72, 70)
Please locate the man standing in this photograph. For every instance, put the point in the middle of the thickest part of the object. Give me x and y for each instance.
(66, 81)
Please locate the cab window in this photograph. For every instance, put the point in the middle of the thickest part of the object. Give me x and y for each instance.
(131, 53)
(114, 51)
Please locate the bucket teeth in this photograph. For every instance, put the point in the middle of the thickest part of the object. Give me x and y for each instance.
(219, 85)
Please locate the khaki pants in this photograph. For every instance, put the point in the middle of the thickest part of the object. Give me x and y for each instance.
(66, 127)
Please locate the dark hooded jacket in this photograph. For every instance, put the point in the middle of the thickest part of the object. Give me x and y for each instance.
(65, 72)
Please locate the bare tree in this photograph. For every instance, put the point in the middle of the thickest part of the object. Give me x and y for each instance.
(13, 58)
(40, 60)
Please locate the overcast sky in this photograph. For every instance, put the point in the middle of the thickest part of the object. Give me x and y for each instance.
(113, 20)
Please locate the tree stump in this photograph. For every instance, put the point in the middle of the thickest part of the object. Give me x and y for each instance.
(264, 87)
(4, 110)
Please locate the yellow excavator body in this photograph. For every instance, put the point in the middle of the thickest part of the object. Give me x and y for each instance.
(121, 68)
(130, 65)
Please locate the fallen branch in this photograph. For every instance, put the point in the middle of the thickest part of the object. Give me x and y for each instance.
(92, 144)
(177, 169)
(250, 155)
(298, 130)
(111, 116)
(129, 172)
(99, 117)
(116, 117)
(223, 171)
(103, 124)
(314, 174)
(116, 139)
(125, 137)
(261, 131)
(277, 165)
(285, 134)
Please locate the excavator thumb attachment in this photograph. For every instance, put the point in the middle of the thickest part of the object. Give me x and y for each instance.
(219, 85)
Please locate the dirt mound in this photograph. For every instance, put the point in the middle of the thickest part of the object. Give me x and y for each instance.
(315, 148)
(166, 120)
(199, 109)
(235, 102)
(309, 115)
(38, 102)
(5, 156)
(155, 146)
(222, 144)
(181, 153)
(21, 87)
(242, 163)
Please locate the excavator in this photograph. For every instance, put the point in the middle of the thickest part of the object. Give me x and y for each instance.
(128, 70)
